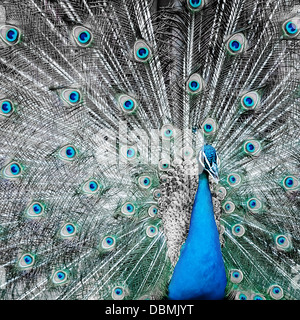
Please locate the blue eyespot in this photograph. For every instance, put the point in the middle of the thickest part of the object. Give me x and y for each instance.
(93, 185)
(118, 291)
(257, 298)
(28, 259)
(208, 127)
(84, 37)
(195, 3)
(152, 211)
(281, 240)
(238, 230)
(250, 147)
(70, 152)
(130, 207)
(146, 181)
(248, 101)
(109, 240)
(6, 107)
(142, 53)
(12, 35)
(291, 28)
(236, 276)
(128, 104)
(194, 85)
(232, 179)
(108, 243)
(151, 231)
(37, 208)
(276, 290)
(74, 96)
(227, 206)
(289, 182)
(242, 296)
(235, 45)
(61, 275)
(15, 169)
(70, 229)
(168, 133)
(252, 203)
(130, 152)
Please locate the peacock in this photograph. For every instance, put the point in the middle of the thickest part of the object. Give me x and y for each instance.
(149, 149)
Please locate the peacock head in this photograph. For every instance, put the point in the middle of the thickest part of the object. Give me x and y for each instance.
(209, 161)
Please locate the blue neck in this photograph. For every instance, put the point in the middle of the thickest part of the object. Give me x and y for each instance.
(199, 272)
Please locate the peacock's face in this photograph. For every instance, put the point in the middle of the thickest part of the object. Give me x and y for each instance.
(209, 161)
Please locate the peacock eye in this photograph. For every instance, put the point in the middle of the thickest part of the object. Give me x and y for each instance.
(26, 261)
(195, 5)
(74, 97)
(229, 206)
(254, 205)
(187, 153)
(10, 35)
(151, 231)
(68, 153)
(60, 277)
(282, 242)
(221, 192)
(83, 37)
(257, 297)
(157, 194)
(127, 104)
(145, 182)
(236, 44)
(128, 209)
(291, 27)
(167, 132)
(6, 108)
(108, 243)
(71, 97)
(290, 183)
(234, 179)
(252, 147)
(118, 293)
(69, 230)
(236, 276)
(12, 170)
(35, 210)
(275, 292)
(142, 51)
(209, 126)
(130, 153)
(238, 230)
(194, 84)
(242, 296)
(152, 211)
(91, 186)
(164, 164)
(250, 100)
